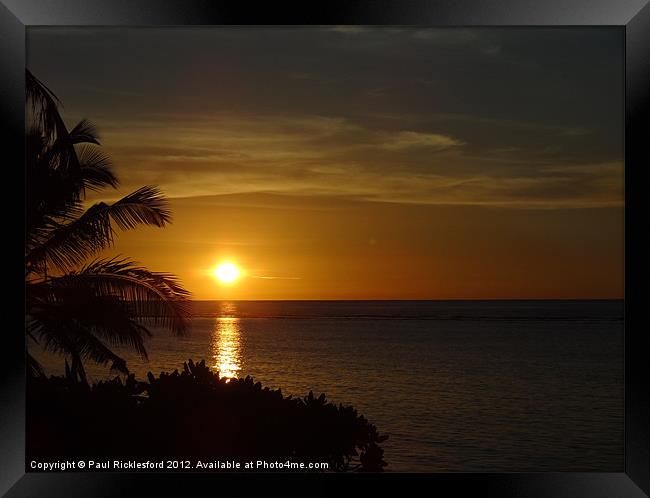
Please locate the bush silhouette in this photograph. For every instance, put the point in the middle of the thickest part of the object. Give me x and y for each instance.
(194, 415)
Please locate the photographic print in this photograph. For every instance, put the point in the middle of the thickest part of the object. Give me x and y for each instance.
(325, 249)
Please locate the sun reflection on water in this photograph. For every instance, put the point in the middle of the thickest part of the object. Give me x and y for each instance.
(226, 342)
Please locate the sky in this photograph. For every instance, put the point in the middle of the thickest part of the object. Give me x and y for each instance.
(348, 162)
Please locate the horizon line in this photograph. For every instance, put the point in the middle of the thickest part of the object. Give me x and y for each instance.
(425, 300)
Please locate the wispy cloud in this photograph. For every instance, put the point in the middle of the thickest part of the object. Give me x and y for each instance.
(275, 278)
(413, 139)
(334, 156)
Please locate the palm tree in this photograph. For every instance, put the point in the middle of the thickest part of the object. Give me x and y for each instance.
(75, 306)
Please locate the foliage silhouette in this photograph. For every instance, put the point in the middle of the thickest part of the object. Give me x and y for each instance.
(75, 307)
(194, 415)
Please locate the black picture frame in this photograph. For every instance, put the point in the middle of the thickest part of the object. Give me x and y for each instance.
(632, 16)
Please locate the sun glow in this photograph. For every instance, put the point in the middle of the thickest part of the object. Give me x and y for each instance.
(226, 273)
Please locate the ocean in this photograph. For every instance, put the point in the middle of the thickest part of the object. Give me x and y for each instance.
(459, 386)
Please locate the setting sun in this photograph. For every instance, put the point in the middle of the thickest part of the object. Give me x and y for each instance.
(226, 273)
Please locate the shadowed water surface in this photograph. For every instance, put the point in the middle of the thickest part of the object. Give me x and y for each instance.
(458, 386)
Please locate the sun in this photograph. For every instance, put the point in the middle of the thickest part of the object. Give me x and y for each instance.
(226, 273)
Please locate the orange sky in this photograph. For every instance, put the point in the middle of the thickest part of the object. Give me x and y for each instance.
(333, 248)
(361, 163)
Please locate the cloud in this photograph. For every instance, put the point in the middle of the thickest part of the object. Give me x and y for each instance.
(275, 278)
(331, 156)
(606, 169)
(413, 139)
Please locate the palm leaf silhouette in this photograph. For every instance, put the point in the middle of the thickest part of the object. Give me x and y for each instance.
(87, 308)
(69, 244)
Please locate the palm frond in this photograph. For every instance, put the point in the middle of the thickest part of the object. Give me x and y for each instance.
(60, 158)
(44, 107)
(146, 206)
(105, 316)
(67, 245)
(84, 132)
(70, 338)
(72, 243)
(34, 368)
(152, 298)
(95, 168)
(56, 191)
(109, 301)
(58, 153)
